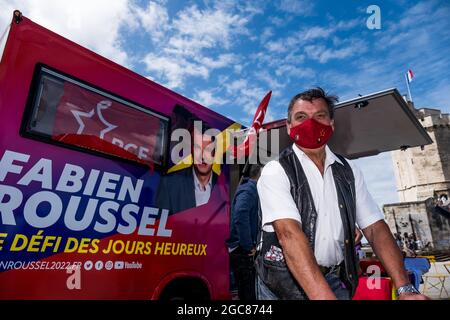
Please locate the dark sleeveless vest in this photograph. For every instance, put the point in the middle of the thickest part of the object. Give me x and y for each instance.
(275, 274)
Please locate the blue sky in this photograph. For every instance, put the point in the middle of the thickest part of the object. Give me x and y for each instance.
(228, 54)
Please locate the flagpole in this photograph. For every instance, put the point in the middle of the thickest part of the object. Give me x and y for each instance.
(244, 171)
(407, 86)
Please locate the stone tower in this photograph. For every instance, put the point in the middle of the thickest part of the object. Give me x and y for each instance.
(422, 173)
(422, 176)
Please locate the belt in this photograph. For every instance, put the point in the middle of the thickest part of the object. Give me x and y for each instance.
(332, 269)
(240, 250)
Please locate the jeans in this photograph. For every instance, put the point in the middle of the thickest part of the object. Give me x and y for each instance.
(244, 274)
(336, 285)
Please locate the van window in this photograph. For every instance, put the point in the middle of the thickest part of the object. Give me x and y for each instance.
(3, 38)
(76, 114)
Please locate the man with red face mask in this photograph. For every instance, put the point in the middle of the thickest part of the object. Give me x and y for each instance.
(311, 201)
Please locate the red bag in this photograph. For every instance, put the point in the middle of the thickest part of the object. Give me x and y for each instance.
(370, 288)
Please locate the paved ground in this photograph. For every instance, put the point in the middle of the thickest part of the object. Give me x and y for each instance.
(440, 278)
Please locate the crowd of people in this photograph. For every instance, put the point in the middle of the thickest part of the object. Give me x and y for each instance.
(409, 245)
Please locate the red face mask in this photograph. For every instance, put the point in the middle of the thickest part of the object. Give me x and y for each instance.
(311, 134)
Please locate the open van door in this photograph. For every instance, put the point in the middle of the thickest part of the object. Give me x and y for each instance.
(365, 126)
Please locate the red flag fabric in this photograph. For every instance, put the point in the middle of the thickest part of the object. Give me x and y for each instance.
(246, 147)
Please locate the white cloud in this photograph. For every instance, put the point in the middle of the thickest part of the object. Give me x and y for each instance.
(287, 71)
(180, 46)
(236, 85)
(154, 19)
(297, 7)
(192, 42)
(224, 60)
(93, 24)
(315, 32)
(311, 34)
(273, 83)
(247, 96)
(238, 68)
(294, 58)
(277, 46)
(277, 21)
(186, 46)
(266, 34)
(322, 53)
(209, 99)
(212, 27)
(173, 70)
(349, 24)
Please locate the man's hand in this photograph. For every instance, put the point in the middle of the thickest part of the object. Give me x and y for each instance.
(252, 252)
(412, 296)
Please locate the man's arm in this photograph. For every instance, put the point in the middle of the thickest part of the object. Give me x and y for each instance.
(301, 261)
(383, 243)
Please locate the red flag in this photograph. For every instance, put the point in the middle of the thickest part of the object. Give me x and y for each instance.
(246, 146)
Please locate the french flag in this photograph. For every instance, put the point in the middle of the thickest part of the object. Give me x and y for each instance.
(409, 75)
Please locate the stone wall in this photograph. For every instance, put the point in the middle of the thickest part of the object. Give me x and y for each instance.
(429, 225)
(402, 213)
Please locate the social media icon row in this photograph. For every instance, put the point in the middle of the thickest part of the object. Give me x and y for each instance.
(98, 265)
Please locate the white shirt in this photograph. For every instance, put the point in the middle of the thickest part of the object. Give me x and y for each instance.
(202, 194)
(277, 203)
